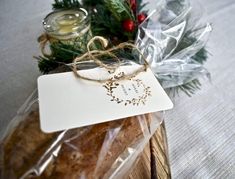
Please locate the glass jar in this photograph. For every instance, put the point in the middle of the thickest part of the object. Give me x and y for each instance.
(67, 25)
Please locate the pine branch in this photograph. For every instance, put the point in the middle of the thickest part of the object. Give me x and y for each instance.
(66, 4)
(200, 57)
(104, 24)
(46, 65)
(92, 3)
(62, 53)
(65, 53)
(189, 88)
(119, 9)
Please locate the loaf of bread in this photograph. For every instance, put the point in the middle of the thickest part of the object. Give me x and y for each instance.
(87, 152)
(24, 147)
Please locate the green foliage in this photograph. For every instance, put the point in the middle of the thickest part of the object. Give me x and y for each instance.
(62, 53)
(46, 65)
(65, 53)
(189, 88)
(66, 4)
(188, 40)
(200, 57)
(120, 9)
(107, 18)
(104, 24)
(92, 3)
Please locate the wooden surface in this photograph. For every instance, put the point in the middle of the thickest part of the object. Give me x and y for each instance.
(154, 162)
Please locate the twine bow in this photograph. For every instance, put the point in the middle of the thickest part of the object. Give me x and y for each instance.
(43, 39)
(94, 54)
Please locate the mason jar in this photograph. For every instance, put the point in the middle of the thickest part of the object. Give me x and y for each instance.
(67, 26)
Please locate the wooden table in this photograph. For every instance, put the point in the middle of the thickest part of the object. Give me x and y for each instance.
(154, 161)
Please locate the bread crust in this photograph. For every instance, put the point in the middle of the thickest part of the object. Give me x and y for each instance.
(89, 153)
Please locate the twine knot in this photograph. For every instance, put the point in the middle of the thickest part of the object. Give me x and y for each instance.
(94, 54)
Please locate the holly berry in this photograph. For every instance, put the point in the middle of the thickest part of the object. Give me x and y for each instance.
(128, 25)
(133, 5)
(141, 17)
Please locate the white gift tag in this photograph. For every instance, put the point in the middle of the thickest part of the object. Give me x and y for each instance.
(67, 102)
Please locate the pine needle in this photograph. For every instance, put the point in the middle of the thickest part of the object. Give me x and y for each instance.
(119, 9)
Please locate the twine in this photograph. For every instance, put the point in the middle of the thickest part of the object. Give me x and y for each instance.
(43, 39)
(93, 54)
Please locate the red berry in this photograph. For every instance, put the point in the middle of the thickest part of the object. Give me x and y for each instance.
(128, 25)
(141, 17)
(133, 5)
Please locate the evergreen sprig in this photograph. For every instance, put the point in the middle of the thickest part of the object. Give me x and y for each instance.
(102, 22)
(62, 53)
(190, 87)
(65, 53)
(92, 3)
(120, 9)
(66, 4)
(188, 40)
(200, 57)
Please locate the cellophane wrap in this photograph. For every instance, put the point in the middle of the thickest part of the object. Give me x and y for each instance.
(161, 38)
(107, 150)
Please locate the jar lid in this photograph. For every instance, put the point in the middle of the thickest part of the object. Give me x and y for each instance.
(64, 24)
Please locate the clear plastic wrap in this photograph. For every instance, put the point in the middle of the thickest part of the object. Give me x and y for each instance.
(163, 37)
(107, 150)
